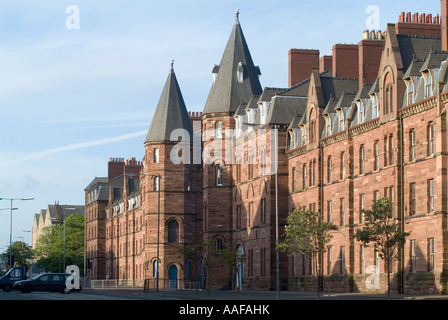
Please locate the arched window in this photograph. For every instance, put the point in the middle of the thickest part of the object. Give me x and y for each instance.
(154, 268)
(173, 231)
(329, 169)
(361, 160)
(388, 94)
(218, 246)
(156, 155)
(304, 176)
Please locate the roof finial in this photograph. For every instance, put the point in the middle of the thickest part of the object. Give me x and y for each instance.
(237, 13)
(172, 64)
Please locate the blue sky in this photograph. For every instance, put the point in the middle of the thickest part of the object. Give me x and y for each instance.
(71, 99)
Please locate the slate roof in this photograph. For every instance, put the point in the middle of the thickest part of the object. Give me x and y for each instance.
(171, 113)
(284, 108)
(227, 93)
(416, 47)
(65, 210)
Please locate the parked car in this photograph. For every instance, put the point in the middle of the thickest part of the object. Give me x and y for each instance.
(12, 276)
(55, 282)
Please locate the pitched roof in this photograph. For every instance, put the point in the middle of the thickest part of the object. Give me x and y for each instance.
(227, 93)
(171, 113)
(284, 108)
(416, 47)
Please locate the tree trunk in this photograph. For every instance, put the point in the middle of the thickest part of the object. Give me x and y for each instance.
(314, 257)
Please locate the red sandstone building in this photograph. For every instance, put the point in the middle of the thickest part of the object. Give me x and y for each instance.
(365, 123)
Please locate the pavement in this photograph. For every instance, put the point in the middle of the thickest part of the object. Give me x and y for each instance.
(254, 295)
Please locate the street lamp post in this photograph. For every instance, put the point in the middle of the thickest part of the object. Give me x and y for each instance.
(10, 228)
(159, 178)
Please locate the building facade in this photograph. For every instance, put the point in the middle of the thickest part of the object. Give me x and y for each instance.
(365, 123)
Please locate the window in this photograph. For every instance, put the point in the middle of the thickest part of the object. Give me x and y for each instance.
(342, 171)
(238, 216)
(304, 176)
(250, 215)
(388, 99)
(329, 260)
(361, 160)
(413, 256)
(173, 231)
(156, 155)
(376, 112)
(251, 165)
(431, 252)
(329, 169)
(341, 121)
(391, 149)
(377, 155)
(412, 145)
(218, 246)
(313, 175)
(428, 88)
(361, 112)
(411, 92)
(313, 131)
(154, 268)
(342, 260)
(361, 208)
(329, 210)
(386, 151)
(328, 126)
(431, 195)
(342, 211)
(218, 129)
(293, 179)
(263, 210)
(412, 199)
(376, 195)
(430, 139)
(218, 174)
(156, 183)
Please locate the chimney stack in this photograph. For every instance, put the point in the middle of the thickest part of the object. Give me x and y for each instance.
(345, 61)
(370, 49)
(301, 62)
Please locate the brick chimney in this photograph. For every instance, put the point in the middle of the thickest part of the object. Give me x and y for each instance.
(301, 62)
(444, 21)
(115, 167)
(345, 61)
(325, 63)
(370, 49)
(420, 25)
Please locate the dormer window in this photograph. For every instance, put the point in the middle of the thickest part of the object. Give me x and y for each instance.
(428, 87)
(328, 126)
(215, 73)
(341, 121)
(410, 92)
(303, 135)
(361, 111)
(376, 111)
(240, 73)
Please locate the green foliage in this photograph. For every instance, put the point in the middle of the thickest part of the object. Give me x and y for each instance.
(382, 229)
(306, 233)
(49, 249)
(22, 254)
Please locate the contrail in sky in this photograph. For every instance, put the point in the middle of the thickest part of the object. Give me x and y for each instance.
(80, 145)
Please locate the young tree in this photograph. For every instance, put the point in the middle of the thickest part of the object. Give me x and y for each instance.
(233, 258)
(21, 254)
(306, 233)
(382, 229)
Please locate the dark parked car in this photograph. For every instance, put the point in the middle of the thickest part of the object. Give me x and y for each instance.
(45, 282)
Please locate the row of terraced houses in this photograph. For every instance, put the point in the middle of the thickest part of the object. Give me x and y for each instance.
(367, 122)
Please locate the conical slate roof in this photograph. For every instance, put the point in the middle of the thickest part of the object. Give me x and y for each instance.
(171, 113)
(228, 92)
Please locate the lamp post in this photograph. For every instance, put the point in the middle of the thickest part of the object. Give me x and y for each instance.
(159, 178)
(10, 228)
